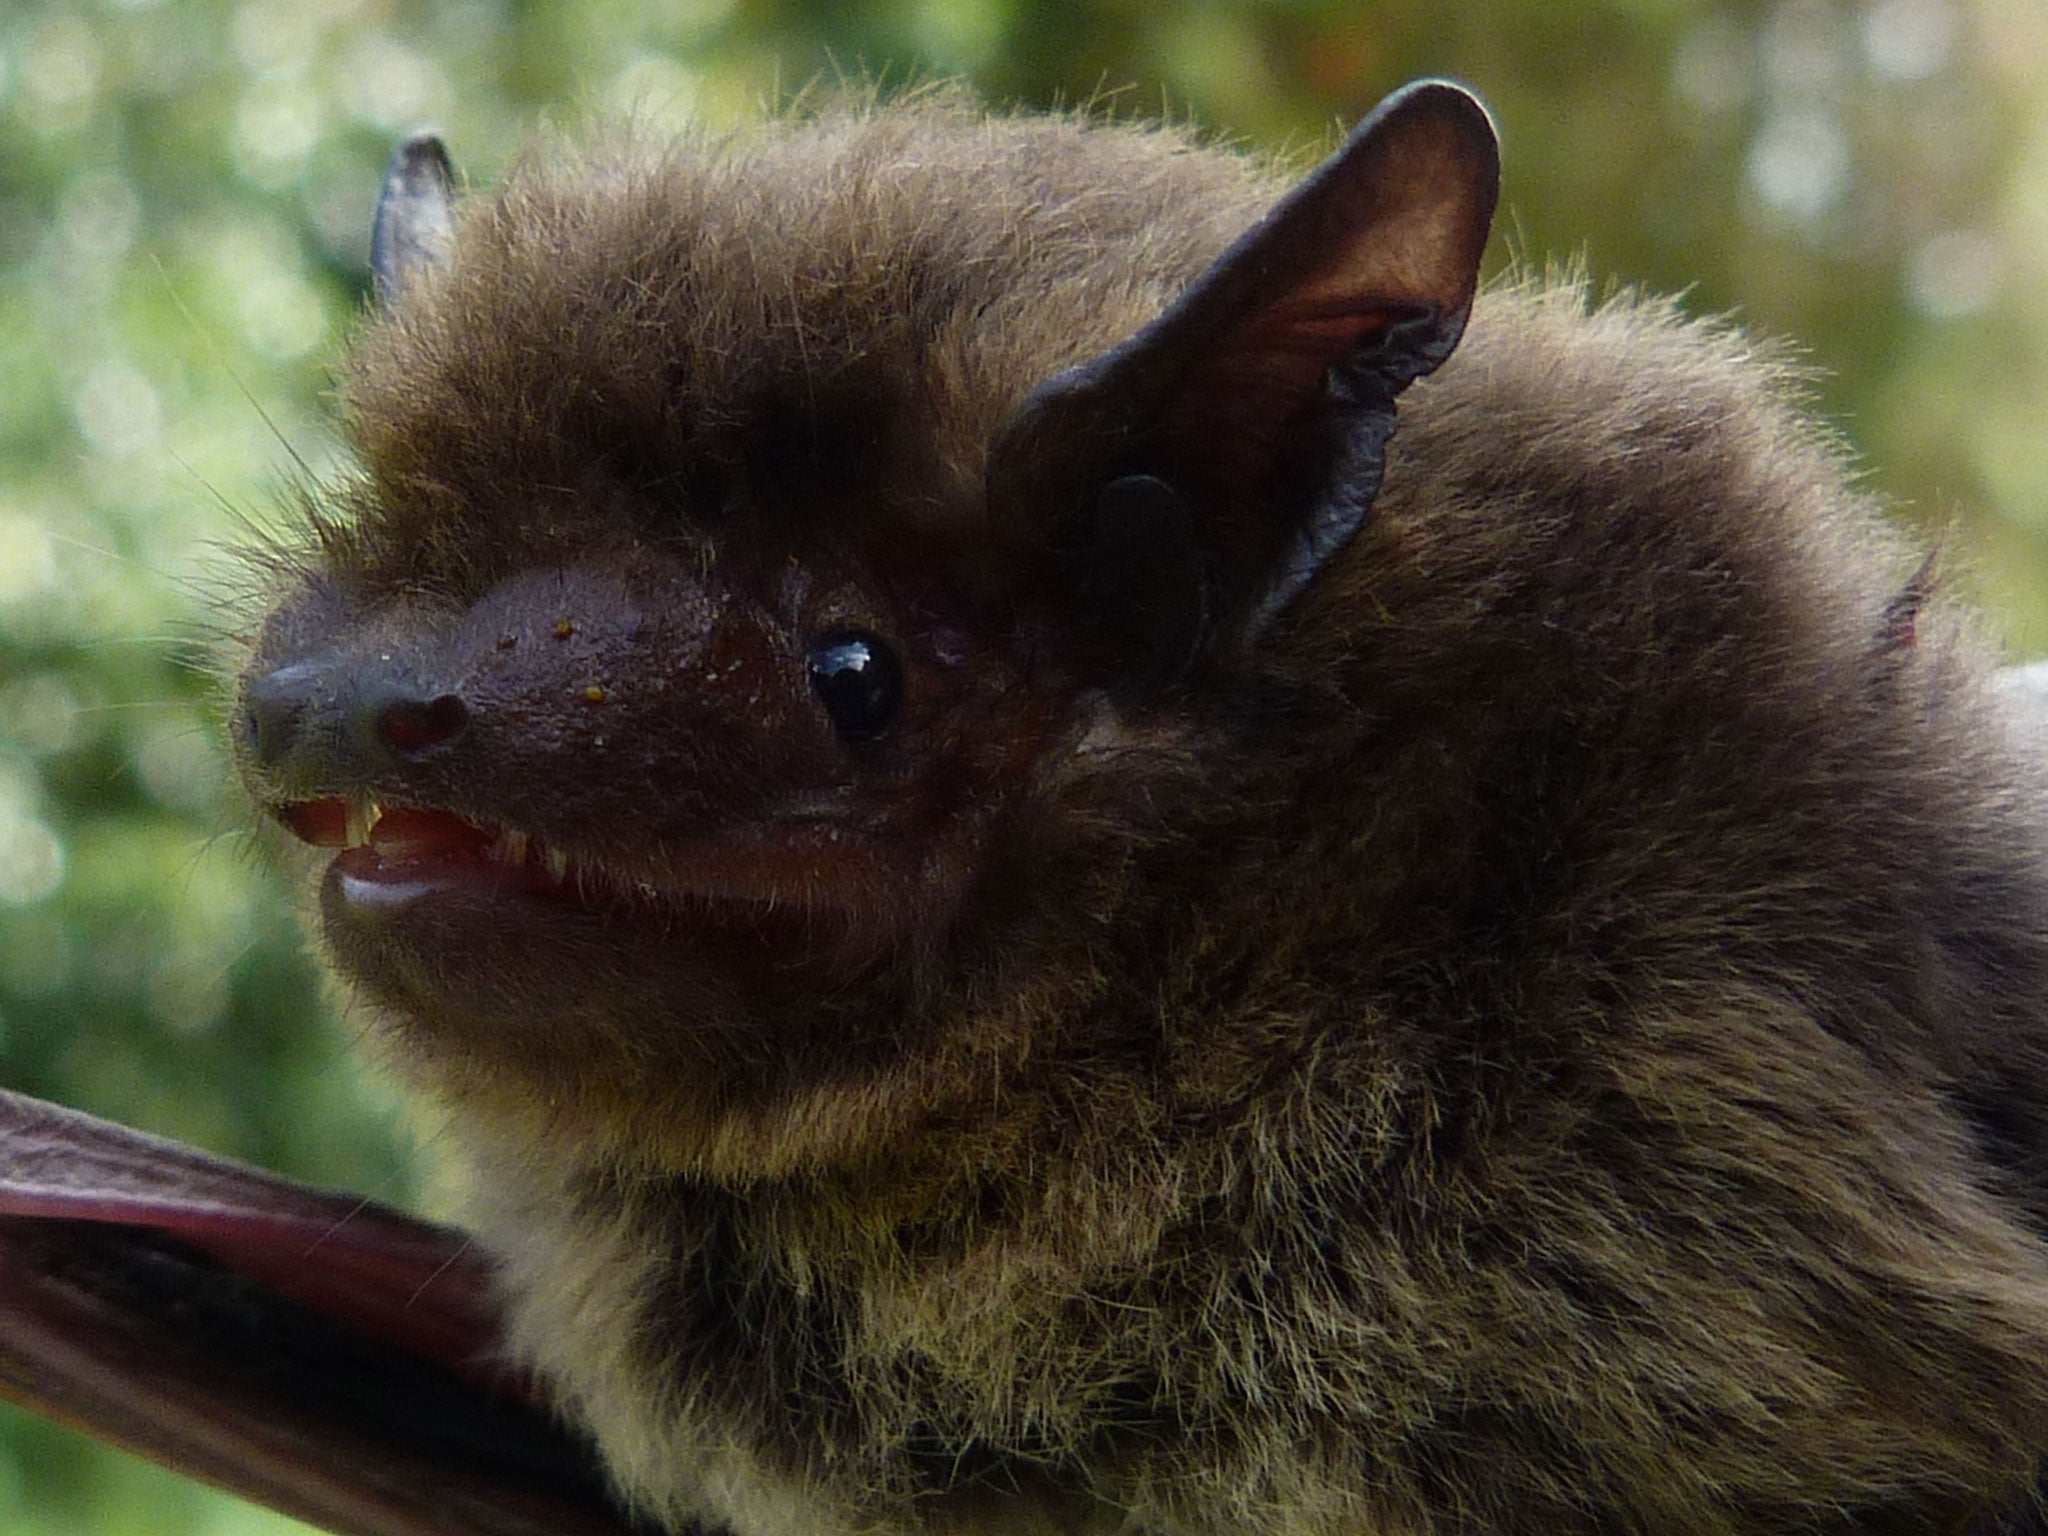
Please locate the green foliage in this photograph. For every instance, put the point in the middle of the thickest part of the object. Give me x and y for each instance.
(184, 209)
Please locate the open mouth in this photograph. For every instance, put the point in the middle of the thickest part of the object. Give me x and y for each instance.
(391, 856)
(386, 850)
(396, 855)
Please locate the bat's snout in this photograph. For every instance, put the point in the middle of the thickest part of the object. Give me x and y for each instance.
(334, 720)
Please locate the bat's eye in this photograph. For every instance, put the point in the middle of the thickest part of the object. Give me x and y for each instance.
(858, 679)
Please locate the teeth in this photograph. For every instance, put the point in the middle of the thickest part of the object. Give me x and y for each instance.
(556, 863)
(360, 817)
(512, 846)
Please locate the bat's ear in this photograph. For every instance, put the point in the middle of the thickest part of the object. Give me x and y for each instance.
(415, 222)
(1201, 474)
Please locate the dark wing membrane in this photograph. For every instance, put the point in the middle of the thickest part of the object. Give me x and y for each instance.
(329, 1358)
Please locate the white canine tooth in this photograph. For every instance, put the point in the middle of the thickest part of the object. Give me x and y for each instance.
(556, 863)
(511, 846)
(359, 818)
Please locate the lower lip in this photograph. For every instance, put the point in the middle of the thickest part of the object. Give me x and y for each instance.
(391, 876)
(382, 893)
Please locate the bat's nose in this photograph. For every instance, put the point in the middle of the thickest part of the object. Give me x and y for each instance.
(332, 722)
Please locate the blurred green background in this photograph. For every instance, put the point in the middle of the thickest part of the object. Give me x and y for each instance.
(185, 188)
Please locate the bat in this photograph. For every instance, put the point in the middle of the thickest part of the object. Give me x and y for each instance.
(1075, 845)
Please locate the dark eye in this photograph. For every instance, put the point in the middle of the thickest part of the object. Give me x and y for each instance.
(858, 679)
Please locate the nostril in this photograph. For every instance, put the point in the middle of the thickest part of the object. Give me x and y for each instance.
(412, 726)
(332, 722)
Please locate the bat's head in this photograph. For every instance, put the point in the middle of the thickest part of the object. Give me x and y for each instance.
(784, 579)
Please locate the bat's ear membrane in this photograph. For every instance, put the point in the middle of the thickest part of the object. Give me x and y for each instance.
(415, 225)
(1199, 477)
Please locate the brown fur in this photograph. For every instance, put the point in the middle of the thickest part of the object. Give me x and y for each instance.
(1550, 1040)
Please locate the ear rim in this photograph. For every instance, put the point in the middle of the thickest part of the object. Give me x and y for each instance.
(413, 231)
(1228, 291)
